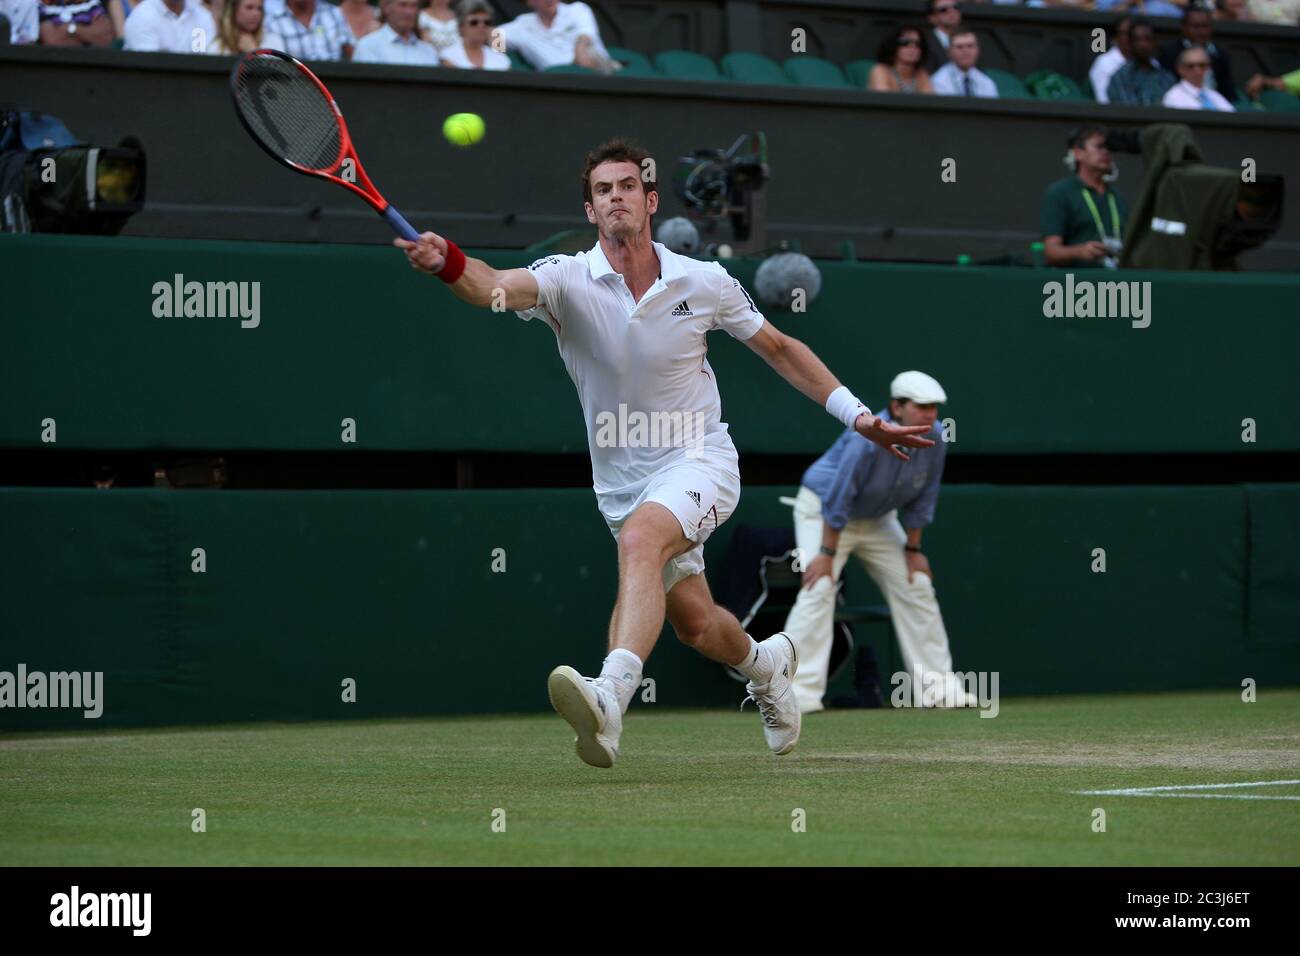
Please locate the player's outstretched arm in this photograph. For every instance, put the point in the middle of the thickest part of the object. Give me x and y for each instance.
(798, 365)
(478, 284)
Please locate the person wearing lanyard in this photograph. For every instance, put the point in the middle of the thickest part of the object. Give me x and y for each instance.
(1082, 219)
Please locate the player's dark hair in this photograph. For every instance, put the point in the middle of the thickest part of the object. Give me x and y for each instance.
(619, 151)
(888, 52)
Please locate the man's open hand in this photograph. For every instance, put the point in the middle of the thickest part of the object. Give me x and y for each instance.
(889, 436)
(428, 255)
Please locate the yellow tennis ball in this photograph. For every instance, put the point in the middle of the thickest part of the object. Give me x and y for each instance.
(463, 129)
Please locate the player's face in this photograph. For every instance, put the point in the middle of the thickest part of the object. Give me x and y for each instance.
(620, 206)
(910, 413)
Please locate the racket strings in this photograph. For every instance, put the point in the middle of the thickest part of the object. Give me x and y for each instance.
(288, 113)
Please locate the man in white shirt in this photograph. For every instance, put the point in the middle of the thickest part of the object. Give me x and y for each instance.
(960, 77)
(169, 26)
(1106, 65)
(630, 320)
(557, 34)
(24, 25)
(1191, 93)
(396, 41)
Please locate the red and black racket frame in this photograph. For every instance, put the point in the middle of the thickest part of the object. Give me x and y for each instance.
(363, 187)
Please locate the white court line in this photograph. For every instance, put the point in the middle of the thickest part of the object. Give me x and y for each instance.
(1169, 791)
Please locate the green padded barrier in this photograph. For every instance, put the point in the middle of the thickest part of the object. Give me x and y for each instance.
(1276, 101)
(753, 68)
(1273, 602)
(417, 369)
(396, 590)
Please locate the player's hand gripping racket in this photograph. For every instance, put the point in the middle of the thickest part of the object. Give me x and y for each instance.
(290, 114)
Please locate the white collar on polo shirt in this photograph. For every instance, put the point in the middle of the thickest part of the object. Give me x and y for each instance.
(670, 267)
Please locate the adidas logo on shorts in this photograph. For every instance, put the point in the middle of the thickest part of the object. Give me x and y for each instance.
(682, 309)
(694, 496)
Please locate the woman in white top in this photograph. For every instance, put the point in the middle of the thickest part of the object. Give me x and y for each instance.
(438, 25)
(240, 29)
(473, 48)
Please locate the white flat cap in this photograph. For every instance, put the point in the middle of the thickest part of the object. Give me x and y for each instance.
(917, 386)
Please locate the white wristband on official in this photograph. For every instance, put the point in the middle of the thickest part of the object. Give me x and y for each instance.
(845, 406)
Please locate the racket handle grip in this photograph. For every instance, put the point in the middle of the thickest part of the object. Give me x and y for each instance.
(399, 224)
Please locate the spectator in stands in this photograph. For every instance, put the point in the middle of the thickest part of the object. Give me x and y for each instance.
(439, 24)
(24, 23)
(557, 34)
(313, 30)
(1108, 63)
(899, 62)
(1142, 81)
(945, 20)
(241, 29)
(1231, 10)
(473, 51)
(1198, 29)
(1290, 83)
(81, 22)
(960, 77)
(1147, 8)
(1192, 92)
(362, 17)
(169, 26)
(1282, 12)
(1082, 218)
(396, 42)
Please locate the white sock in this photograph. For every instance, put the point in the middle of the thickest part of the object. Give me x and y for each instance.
(757, 665)
(622, 674)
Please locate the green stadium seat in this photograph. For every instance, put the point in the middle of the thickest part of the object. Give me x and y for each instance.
(1088, 91)
(1010, 86)
(814, 71)
(517, 62)
(637, 63)
(754, 69)
(857, 72)
(1275, 101)
(685, 65)
(1050, 85)
(570, 68)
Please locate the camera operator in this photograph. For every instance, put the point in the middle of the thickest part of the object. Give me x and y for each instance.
(1082, 218)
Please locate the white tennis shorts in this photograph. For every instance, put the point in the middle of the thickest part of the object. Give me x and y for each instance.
(702, 492)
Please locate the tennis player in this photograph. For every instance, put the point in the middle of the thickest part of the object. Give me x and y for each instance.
(630, 320)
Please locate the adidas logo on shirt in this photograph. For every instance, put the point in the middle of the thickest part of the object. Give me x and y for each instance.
(682, 309)
(694, 496)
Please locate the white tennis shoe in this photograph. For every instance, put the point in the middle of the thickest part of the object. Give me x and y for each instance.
(775, 700)
(592, 711)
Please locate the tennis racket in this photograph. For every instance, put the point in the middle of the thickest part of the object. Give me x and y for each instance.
(291, 115)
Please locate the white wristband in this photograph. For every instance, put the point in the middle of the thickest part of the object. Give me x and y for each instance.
(845, 406)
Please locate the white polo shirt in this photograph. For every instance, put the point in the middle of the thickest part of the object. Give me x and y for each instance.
(151, 27)
(543, 47)
(648, 356)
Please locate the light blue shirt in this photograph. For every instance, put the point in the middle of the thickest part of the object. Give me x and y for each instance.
(858, 479)
(385, 46)
(947, 81)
